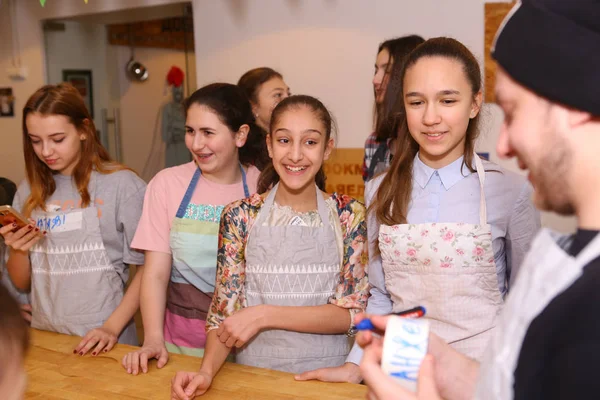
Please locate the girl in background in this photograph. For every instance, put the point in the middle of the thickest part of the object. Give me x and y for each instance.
(180, 222)
(85, 207)
(265, 88)
(291, 263)
(380, 145)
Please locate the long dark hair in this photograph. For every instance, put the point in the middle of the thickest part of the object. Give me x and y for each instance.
(233, 108)
(268, 176)
(396, 187)
(386, 124)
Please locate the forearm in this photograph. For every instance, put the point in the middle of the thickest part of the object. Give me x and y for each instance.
(324, 319)
(153, 300)
(215, 354)
(129, 305)
(19, 269)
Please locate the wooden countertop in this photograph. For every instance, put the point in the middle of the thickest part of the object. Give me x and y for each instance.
(54, 372)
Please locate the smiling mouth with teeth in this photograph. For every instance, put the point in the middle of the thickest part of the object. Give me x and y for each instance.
(294, 169)
(434, 134)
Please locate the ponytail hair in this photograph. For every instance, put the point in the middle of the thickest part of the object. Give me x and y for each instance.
(268, 176)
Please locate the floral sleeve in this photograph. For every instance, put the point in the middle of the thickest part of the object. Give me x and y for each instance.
(236, 221)
(353, 287)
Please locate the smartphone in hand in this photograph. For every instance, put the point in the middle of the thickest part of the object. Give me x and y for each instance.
(9, 215)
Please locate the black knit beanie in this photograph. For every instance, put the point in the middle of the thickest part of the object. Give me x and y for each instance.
(552, 47)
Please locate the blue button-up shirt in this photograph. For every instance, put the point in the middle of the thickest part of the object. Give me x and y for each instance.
(452, 194)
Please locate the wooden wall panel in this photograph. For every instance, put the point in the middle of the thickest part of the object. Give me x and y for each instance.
(170, 33)
(494, 15)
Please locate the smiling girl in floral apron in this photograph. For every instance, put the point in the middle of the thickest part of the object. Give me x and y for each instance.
(291, 264)
(180, 222)
(85, 209)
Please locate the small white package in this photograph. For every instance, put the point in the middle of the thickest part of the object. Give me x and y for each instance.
(404, 347)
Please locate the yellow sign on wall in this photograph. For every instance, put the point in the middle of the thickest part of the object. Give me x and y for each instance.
(344, 173)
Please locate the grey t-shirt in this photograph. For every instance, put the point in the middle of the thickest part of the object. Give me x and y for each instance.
(119, 198)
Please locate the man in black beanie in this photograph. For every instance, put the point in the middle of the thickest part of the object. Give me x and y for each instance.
(547, 341)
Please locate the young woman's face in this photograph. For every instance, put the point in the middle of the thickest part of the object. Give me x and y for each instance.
(55, 141)
(213, 145)
(439, 105)
(380, 79)
(298, 146)
(268, 96)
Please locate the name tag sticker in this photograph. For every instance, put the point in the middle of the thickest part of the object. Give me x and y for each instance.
(61, 222)
(404, 347)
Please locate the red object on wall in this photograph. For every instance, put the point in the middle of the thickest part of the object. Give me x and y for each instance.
(175, 76)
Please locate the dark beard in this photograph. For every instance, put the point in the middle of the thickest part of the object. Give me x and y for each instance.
(551, 181)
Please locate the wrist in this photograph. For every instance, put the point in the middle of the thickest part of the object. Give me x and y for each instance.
(353, 371)
(206, 371)
(153, 338)
(112, 328)
(265, 312)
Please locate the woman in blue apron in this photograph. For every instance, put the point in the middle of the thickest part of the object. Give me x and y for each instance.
(74, 256)
(180, 223)
(291, 263)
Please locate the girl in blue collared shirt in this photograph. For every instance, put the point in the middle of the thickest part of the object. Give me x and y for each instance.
(451, 229)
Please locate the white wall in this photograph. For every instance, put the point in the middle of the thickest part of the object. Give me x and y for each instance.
(80, 46)
(326, 48)
(323, 47)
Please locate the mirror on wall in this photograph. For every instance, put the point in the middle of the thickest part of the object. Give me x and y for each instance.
(133, 68)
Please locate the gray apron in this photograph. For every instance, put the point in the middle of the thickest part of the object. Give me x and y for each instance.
(292, 266)
(74, 287)
(547, 271)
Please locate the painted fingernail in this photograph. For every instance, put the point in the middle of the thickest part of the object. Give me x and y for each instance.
(14, 225)
(29, 227)
(106, 351)
(94, 353)
(74, 351)
(37, 229)
(81, 353)
(45, 233)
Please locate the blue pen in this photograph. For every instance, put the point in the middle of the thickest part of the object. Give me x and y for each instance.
(367, 325)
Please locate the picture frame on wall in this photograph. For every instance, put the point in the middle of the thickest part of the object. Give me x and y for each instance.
(81, 79)
(7, 102)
